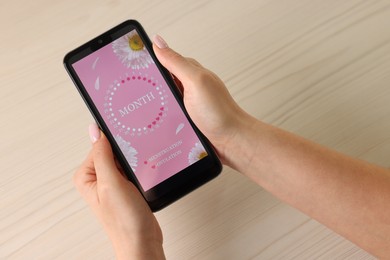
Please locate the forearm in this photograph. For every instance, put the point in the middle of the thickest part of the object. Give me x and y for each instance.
(125, 250)
(349, 196)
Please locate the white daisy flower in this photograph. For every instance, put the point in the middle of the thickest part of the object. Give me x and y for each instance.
(197, 153)
(131, 51)
(128, 151)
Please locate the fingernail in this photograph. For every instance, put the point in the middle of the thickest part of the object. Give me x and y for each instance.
(94, 132)
(159, 41)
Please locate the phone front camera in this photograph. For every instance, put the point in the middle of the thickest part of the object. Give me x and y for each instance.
(100, 41)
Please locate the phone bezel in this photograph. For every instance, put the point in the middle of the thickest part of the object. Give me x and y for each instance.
(179, 184)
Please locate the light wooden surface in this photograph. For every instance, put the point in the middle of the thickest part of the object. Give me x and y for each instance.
(318, 68)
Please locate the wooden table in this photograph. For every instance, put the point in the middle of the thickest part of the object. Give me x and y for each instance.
(318, 68)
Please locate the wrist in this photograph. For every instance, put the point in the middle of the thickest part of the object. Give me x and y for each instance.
(239, 147)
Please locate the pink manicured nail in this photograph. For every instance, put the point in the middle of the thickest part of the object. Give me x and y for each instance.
(94, 132)
(159, 41)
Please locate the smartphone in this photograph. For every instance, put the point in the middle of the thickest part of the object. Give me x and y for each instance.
(137, 105)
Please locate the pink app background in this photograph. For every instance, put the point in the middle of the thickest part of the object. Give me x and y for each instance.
(140, 110)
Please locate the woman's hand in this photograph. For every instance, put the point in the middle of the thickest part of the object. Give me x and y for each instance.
(206, 98)
(127, 219)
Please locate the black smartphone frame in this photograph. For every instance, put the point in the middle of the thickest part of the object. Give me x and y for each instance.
(180, 183)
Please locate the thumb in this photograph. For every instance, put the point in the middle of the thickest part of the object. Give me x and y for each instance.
(178, 65)
(103, 158)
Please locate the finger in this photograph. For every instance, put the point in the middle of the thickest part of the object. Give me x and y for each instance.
(195, 62)
(173, 61)
(104, 160)
(85, 176)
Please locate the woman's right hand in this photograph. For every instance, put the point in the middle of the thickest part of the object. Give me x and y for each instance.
(206, 98)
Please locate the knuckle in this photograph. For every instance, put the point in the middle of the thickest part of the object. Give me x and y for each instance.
(202, 76)
(174, 56)
(194, 62)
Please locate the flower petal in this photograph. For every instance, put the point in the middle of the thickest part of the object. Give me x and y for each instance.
(97, 83)
(179, 128)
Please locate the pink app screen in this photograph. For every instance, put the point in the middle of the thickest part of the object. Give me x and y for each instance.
(141, 112)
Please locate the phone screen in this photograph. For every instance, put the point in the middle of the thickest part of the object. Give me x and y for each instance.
(139, 109)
